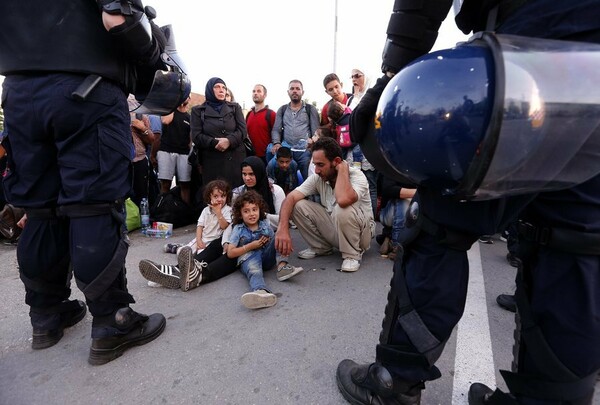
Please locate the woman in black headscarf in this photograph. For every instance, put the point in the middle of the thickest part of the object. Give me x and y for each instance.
(218, 129)
(255, 178)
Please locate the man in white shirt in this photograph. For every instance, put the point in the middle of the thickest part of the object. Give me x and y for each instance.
(344, 217)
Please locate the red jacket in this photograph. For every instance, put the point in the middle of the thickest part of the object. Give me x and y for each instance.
(259, 129)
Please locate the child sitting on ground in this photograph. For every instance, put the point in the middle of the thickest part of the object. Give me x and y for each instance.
(213, 220)
(252, 242)
(283, 170)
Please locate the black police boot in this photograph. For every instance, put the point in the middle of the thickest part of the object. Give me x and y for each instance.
(373, 384)
(507, 302)
(481, 394)
(113, 334)
(49, 324)
(513, 260)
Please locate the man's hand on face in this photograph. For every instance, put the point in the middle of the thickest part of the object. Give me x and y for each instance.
(341, 166)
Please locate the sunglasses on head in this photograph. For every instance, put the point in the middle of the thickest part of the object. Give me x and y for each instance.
(356, 76)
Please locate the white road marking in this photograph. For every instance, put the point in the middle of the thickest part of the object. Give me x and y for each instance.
(474, 361)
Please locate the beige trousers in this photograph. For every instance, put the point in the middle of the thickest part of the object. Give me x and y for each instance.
(347, 229)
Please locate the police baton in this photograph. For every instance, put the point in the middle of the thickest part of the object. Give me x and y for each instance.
(86, 87)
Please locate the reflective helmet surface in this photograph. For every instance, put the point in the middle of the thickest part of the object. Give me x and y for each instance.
(433, 115)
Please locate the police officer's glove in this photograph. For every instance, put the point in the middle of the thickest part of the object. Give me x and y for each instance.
(134, 39)
(396, 56)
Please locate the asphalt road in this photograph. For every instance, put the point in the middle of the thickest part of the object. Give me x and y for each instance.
(215, 351)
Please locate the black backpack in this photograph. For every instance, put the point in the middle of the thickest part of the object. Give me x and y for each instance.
(267, 117)
(284, 108)
(169, 207)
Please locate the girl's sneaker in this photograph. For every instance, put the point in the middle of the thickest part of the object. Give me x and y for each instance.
(163, 274)
(154, 284)
(171, 247)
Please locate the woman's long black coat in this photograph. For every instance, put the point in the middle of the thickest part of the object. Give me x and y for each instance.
(208, 124)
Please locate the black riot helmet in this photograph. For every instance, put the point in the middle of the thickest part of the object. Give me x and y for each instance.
(496, 116)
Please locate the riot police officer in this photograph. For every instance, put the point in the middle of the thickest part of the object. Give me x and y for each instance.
(557, 356)
(69, 66)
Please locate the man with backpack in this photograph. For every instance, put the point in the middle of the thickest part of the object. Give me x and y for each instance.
(259, 122)
(295, 122)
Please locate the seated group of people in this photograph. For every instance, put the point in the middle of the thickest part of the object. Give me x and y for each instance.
(248, 228)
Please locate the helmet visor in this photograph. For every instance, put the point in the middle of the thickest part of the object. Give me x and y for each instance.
(548, 137)
(168, 91)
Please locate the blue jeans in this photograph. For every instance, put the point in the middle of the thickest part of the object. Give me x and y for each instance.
(300, 157)
(393, 215)
(269, 155)
(255, 261)
(303, 160)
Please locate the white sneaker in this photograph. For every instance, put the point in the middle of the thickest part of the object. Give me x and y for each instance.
(350, 265)
(153, 284)
(311, 254)
(259, 299)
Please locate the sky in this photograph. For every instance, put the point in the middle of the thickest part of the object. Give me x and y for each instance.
(272, 42)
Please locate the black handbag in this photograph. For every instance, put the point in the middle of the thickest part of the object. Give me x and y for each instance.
(249, 147)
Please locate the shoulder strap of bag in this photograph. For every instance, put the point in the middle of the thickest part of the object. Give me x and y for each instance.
(268, 117)
(308, 108)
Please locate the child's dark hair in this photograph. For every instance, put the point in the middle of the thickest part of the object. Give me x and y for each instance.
(220, 185)
(325, 131)
(284, 152)
(248, 197)
(335, 111)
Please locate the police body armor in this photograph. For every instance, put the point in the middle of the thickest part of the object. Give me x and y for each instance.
(80, 44)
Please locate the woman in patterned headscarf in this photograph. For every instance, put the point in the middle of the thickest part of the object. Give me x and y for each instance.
(360, 85)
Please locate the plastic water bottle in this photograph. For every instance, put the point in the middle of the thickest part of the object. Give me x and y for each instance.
(145, 214)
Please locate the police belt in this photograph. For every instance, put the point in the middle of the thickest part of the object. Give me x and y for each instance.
(566, 240)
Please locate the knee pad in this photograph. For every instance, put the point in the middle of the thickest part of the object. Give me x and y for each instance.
(110, 284)
(399, 311)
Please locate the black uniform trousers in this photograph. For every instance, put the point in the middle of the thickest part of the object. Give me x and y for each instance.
(64, 152)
